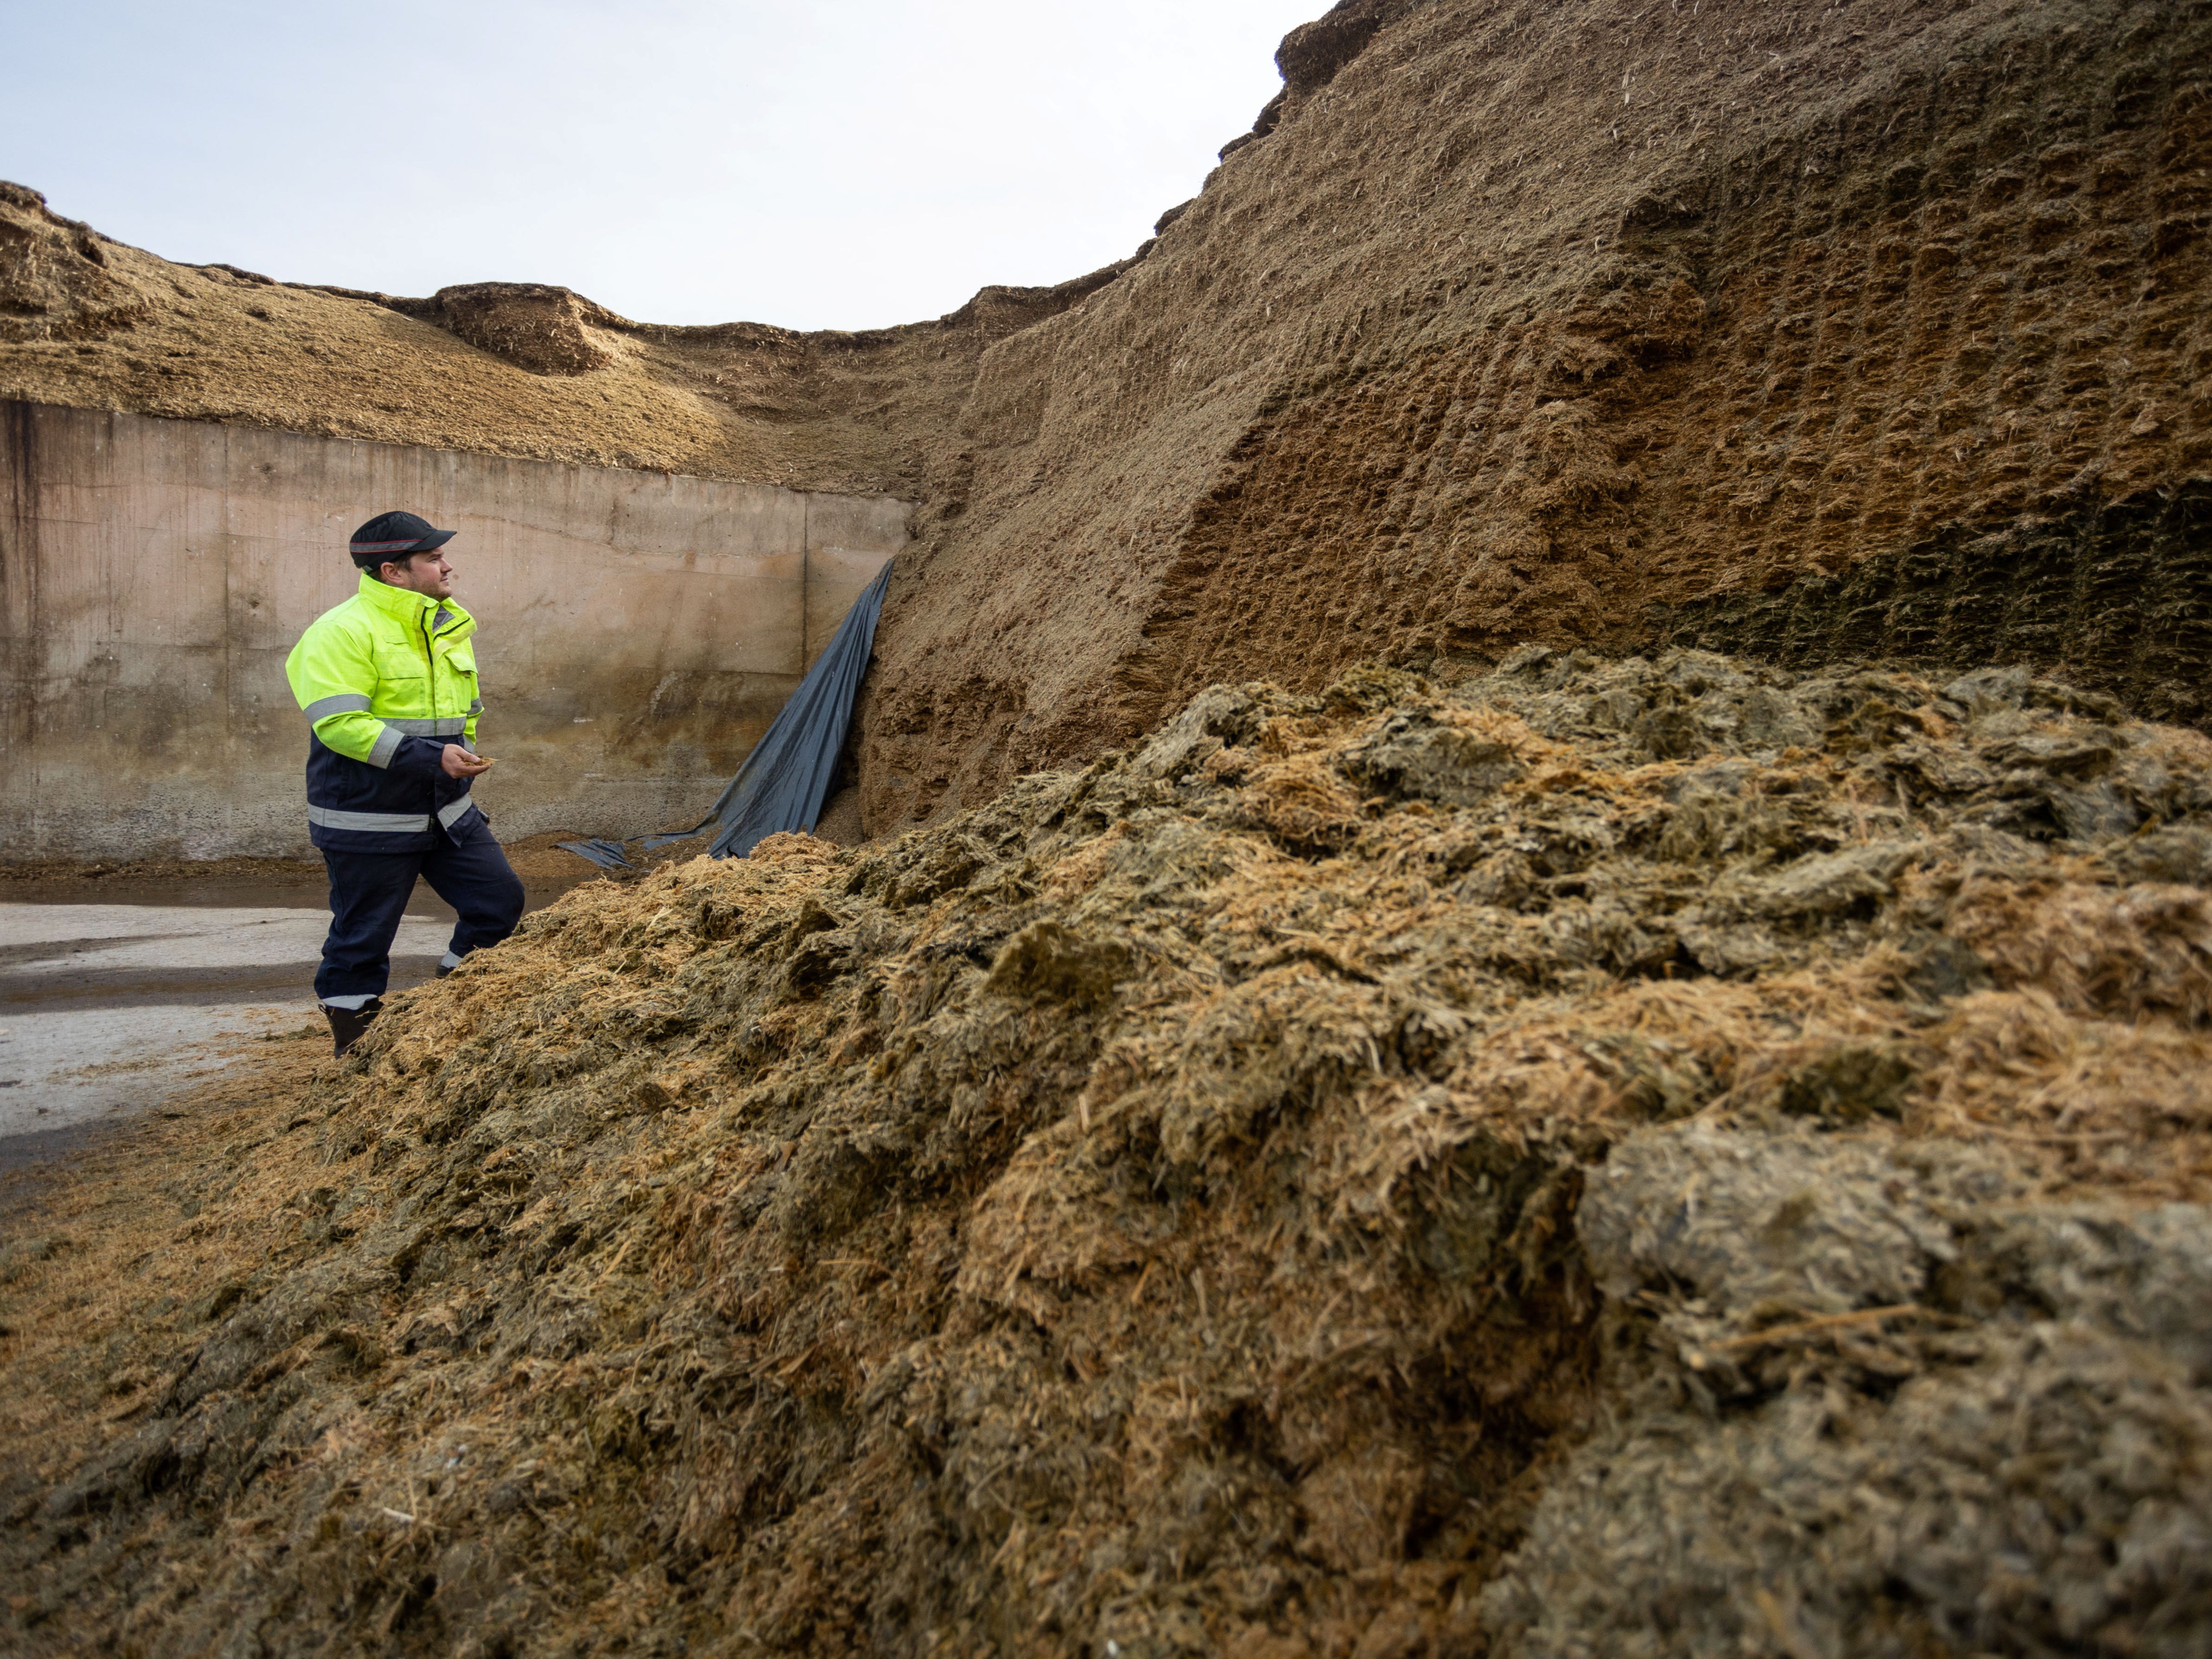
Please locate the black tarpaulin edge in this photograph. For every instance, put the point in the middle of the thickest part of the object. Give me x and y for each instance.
(785, 780)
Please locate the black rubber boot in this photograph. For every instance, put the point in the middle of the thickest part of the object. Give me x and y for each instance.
(348, 1023)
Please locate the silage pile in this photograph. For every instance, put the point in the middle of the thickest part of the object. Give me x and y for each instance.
(1643, 1157)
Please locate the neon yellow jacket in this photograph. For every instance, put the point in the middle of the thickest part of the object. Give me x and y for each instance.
(386, 680)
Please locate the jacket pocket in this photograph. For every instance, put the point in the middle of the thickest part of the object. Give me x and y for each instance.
(396, 663)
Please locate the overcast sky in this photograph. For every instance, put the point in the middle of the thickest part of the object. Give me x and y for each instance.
(843, 164)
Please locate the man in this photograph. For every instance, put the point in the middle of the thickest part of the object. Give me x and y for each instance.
(388, 682)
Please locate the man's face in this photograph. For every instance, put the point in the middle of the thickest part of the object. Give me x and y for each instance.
(426, 573)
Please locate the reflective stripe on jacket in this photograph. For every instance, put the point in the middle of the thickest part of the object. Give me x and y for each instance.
(386, 680)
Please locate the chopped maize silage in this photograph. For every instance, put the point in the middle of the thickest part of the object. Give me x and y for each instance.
(1656, 1158)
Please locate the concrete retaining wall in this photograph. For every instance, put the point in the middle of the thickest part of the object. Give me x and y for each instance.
(637, 631)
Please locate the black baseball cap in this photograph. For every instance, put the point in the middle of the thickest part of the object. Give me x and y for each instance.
(393, 536)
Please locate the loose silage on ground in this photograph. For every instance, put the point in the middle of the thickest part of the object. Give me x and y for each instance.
(1643, 1156)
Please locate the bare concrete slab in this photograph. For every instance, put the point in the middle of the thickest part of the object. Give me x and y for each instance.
(107, 1010)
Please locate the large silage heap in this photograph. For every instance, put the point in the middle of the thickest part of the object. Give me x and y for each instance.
(1665, 1151)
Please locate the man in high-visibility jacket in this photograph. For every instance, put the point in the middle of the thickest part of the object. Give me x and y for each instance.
(388, 682)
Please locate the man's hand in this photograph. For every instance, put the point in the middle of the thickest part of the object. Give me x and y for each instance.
(459, 764)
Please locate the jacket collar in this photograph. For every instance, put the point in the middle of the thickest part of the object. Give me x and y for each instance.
(408, 606)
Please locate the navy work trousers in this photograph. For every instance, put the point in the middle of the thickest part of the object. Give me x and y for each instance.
(368, 891)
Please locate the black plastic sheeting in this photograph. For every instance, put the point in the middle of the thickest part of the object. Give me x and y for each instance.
(785, 779)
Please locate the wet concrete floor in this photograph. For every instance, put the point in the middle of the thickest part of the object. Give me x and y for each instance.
(113, 998)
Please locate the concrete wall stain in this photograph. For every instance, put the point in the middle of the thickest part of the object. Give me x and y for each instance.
(638, 631)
